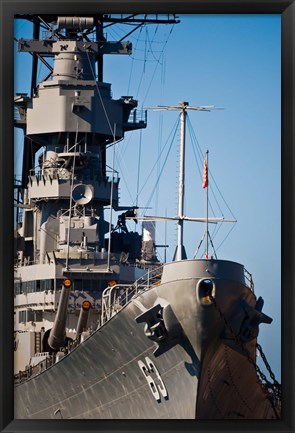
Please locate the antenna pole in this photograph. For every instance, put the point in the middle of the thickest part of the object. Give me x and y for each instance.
(165, 239)
(180, 253)
(207, 208)
(71, 200)
(111, 202)
(181, 181)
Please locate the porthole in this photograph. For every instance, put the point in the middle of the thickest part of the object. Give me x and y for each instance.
(205, 289)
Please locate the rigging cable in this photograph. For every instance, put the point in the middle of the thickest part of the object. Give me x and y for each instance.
(126, 142)
(155, 164)
(102, 103)
(218, 227)
(119, 161)
(103, 106)
(212, 245)
(161, 120)
(146, 51)
(140, 137)
(211, 175)
(150, 45)
(140, 86)
(201, 157)
(194, 142)
(71, 198)
(199, 246)
(161, 55)
(138, 167)
(233, 226)
(132, 64)
(99, 94)
(163, 166)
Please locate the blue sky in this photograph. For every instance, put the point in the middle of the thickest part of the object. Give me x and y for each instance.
(230, 61)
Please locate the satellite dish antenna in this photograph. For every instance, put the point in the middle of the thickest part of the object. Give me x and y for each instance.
(82, 194)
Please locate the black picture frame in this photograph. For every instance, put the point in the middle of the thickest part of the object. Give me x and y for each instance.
(8, 8)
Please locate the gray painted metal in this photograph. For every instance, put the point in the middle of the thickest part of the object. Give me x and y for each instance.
(103, 377)
(57, 334)
(82, 321)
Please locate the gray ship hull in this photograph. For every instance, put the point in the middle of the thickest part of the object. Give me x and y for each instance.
(116, 373)
(102, 379)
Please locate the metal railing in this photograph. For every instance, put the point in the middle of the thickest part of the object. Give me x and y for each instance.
(115, 297)
(32, 371)
(249, 280)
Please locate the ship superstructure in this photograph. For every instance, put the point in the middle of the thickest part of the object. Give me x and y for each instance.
(68, 122)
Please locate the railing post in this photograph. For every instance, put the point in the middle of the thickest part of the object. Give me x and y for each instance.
(108, 304)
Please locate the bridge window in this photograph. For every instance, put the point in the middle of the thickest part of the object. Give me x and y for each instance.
(22, 317)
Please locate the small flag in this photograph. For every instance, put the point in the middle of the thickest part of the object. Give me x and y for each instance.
(205, 175)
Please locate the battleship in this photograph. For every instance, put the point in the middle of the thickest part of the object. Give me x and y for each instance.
(103, 329)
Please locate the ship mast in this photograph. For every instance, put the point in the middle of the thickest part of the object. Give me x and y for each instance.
(180, 250)
(180, 253)
(205, 185)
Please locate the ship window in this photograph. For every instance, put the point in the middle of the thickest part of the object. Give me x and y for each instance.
(30, 316)
(38, 288)
(24, 286)
(22, 317)
(46, 285)
(17, 288)
(38, 316)
(78, 285)
(83, 285)
(87, 285)
(31, 286)
(34, 315)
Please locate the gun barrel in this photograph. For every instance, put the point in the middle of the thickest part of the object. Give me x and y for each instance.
(57, 336)
(83, 318)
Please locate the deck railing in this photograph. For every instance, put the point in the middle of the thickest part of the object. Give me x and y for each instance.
(249, 280)
(115, 297)
(32, 371)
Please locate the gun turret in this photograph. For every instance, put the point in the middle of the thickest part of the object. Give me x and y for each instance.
(82, 321)
(57, 336)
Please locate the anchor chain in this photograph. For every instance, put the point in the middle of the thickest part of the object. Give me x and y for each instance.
(275, 386)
